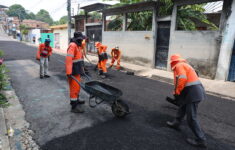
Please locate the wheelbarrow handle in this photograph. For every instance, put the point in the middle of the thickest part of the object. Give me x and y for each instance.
(80, 83)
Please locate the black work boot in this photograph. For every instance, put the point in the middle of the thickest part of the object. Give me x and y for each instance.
(100, 72)
(76, 108)
(81, 101)
(173, 124)
(47, 76)
(196, 143)
(41, 76)
(104, 75)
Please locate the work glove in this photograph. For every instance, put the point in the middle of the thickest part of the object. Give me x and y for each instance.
(176, 97)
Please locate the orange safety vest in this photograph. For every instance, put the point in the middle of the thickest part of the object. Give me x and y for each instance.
(116, 54)
(184, 76)
(74, 60)
(102, 52)
(44, 51)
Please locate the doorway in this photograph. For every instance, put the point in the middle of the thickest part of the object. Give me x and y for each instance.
(163, 37)
(94, 33)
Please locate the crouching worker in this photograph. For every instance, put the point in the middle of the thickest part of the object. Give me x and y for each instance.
(189, 92)
(116, 56)
(75, 67)
(103, 58)
(43, 54)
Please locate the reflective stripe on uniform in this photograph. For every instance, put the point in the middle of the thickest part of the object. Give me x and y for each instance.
(182, 76)
(77, 60)
(70, 55)
(193, 83)
(73, 99)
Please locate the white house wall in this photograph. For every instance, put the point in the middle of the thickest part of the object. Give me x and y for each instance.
(200, 48)
(63, 37)
(133, 44)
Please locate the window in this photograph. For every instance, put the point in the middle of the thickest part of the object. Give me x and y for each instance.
(204, 16)
(114, 23)
(139, 21)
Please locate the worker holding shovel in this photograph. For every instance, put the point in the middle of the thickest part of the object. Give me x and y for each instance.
(188, 92)
(116, 56)
(75, 67)
(103, 58)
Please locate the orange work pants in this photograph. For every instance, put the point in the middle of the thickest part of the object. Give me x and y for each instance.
(102, 65)
(118, 63)
(74, 88)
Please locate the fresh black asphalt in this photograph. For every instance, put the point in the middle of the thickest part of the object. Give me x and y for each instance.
(144, 128)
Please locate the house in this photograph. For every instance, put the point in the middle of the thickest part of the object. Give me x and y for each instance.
(60, 33)
(209, 48)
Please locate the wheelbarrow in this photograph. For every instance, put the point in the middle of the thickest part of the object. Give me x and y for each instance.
(100, 92)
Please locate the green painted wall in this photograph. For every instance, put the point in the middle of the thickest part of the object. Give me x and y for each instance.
(48, 35)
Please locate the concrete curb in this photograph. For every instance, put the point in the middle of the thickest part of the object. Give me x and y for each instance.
(4, 141)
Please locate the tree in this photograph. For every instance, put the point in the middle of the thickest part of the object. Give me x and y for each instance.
(63, 20)
(31, 15)
(17, 10)
(24, 29)
(44, 16)
(185, 19)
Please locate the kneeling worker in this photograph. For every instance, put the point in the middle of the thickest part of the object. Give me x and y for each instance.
(116, 56)
(43, 54)
(189, 92)
(103, 58)
(75, 67)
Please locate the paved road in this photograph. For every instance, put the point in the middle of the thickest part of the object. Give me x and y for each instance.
(47, 109)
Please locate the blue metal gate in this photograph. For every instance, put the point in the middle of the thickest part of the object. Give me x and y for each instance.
(231, 76)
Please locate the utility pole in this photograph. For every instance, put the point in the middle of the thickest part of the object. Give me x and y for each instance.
(69, 19)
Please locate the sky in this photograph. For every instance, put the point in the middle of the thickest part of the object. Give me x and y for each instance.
(56, 8)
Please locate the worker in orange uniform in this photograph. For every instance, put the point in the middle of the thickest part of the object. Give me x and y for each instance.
(75, 67)
(103, 58)
(116, 56)
(43, 54)
(188, 92)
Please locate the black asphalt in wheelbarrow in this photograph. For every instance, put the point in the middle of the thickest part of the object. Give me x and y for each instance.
(111, 95)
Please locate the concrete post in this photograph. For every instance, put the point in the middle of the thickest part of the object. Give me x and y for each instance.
(124, 22)
(226, 46)
(154, 29)
(172, 31)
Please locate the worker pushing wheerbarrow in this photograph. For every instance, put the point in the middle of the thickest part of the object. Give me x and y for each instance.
(99, 92)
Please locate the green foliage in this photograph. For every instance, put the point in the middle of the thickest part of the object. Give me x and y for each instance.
(187, 15)
(24, 29)
(44, 16)
(63, 20)
(140, 21)
(3, 75)
(95, 15)
(3, 101)
(31, 15)
(115, 24)
(17, 10)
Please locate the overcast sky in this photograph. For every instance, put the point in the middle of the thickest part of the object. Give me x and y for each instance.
(56, 8)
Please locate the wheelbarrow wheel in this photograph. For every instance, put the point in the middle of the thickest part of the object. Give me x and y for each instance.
(120, 109)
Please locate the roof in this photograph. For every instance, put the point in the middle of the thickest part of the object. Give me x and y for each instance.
(2, 6)
(62, 26)
(185, 2)
(142, 6)
(95, 7)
